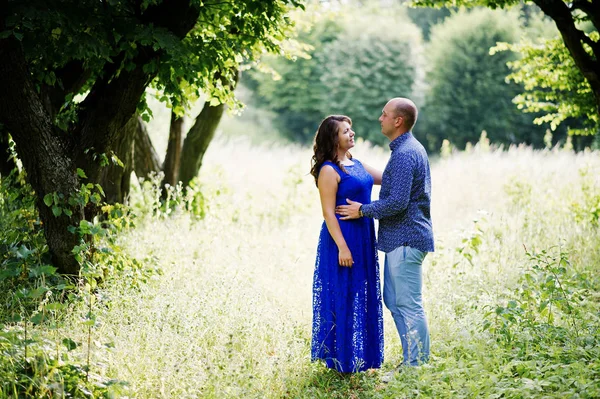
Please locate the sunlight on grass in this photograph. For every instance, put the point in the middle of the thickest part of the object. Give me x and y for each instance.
(231, 315)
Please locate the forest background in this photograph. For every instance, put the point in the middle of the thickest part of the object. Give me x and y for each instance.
(448, 60)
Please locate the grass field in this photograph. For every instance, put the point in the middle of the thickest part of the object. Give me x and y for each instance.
(511, 292)
(230, 316)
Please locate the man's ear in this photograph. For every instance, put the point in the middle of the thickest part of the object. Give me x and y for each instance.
(399, 121)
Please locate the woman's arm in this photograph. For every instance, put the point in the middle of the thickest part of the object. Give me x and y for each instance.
(328, 184)
(375, 173)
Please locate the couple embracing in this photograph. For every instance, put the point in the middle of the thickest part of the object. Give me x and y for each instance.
(347, 312)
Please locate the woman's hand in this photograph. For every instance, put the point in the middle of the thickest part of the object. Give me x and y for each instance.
(345, 257)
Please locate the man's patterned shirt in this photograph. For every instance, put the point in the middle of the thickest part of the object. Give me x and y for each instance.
(403, 208)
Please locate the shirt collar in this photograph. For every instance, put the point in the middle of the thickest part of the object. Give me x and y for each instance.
(399, 140)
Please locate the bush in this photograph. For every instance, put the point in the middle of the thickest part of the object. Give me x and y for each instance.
(468, 92)
(357, 65)
(548, 329)
(36, 360)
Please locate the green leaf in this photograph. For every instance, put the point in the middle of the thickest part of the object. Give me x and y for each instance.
(23, 252)
(48, 270)
(48, 199)
(38, 292)
(116, 161)
(37, 318)
(85, 227)
(55, 306)
(69, 344)
(43, 270)
(81, 173)
(99, 187)
(57, 211)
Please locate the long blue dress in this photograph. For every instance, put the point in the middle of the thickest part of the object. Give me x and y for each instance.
(347, 312)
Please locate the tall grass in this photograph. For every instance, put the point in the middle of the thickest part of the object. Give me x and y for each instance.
(231, 314)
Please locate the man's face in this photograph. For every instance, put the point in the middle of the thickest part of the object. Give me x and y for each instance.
(388, 120)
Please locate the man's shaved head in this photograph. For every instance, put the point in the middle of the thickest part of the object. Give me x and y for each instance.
(406, 109)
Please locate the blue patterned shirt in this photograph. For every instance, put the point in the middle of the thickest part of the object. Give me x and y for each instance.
(403, 208)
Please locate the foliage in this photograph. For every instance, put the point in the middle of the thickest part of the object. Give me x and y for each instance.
(550, 320)
(194, 200)
(34, 296)
(83, 66)
(587, 209)
(552, 84)
(355, 67)
(427, 18)
(560, 79)
(468, 93)
(55, 35)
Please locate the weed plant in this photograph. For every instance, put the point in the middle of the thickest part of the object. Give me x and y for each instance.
(40, 357)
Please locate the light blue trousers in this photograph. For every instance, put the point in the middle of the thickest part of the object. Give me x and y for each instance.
(403, 281)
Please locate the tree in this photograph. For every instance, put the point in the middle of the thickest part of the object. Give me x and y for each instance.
(356, 66)
(570, 18)
(183, 159)
(73, 75)
(427, 18)
(553, 85)
(468, 93)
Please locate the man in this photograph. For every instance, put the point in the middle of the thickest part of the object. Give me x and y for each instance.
(405, 232)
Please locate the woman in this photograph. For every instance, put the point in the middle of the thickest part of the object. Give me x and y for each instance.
(347, 311)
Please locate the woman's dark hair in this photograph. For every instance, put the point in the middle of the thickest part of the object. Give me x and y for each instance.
(326, 144)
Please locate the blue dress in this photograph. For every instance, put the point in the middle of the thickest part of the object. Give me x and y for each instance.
(347, 312)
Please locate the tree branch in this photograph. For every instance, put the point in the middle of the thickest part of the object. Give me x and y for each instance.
(592, 10)
(107, 108)
(114, 98)
(588, 64)
(72, 76)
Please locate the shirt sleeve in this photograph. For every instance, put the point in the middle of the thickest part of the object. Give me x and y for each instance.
(400, 169)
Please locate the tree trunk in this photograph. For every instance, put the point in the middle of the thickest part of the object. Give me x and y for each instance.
(43, 151)
(145, 158)
(136, 152)
(114, 178)
(173, 157)
(197, 141)
(200, 135)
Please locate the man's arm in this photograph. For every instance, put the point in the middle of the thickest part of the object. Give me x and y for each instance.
(401, 179)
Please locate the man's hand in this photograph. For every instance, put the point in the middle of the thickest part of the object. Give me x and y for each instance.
(348, 211)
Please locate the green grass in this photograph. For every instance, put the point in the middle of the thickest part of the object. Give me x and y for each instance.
(230, 316)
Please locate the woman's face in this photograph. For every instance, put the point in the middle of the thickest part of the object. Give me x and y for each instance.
(345, 136)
